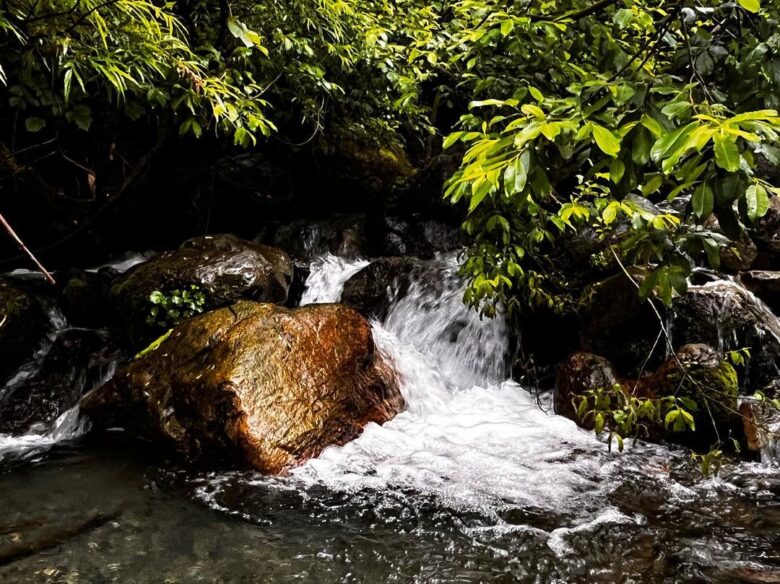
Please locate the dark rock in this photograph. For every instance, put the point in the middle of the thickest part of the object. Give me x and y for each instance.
(23, 326)
(767, 237)
(224, 268)
(616, 323)
(577, 374)
(423, 239)
(696, 371)
(764, 284)
(75, 362)
(85, 298)
(304, 239)
(740, 255)
(724, 314)
(254, 384)
(720, 313)
(373, 289)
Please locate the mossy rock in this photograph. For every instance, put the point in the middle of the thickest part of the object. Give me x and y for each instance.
(24, 326)
(223, 267)
(696, 372)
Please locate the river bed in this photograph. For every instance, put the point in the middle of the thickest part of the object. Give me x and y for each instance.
(477, 481)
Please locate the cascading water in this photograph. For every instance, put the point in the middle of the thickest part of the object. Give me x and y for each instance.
(474, 482)
(469, 436)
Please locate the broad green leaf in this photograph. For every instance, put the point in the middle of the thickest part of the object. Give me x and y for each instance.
(750, 5)
(640, 149)
(606, 140)
(479, 193)
(451, 139)
(670, 144)
(34, 124)
(616, 170)
(726, 153)
(702, 201)
(756, 201)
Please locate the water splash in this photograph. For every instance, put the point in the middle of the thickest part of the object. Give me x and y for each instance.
(469, 437)
(328, 275)
(68, 426)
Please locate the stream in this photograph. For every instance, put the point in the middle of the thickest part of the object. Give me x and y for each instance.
(476, 481)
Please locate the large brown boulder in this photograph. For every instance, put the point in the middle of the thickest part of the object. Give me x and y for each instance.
(254, 384)
(223, 267)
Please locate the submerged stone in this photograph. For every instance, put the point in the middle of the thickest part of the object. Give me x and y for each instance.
(254, 384)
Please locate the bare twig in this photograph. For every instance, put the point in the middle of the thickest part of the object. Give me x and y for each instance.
(24, 248)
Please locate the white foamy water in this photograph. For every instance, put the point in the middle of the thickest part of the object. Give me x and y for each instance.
(327, 278)
(469, 437)
(67, 427)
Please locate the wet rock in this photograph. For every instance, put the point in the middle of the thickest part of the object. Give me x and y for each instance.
(761, 424)
(765, 284)
(373, 289)
(617, 324)
(578, 374)
(423, 239)
(85, 298)
(23, 326)
(254, 384)
(726, 315)
(696, 371)
(740, 255)
(75, 362)
(223, 267)
(306, 240)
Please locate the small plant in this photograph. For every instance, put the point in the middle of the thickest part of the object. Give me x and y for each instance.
(171, 308)
(626, 416)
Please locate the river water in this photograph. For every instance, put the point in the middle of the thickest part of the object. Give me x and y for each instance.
(477, 481)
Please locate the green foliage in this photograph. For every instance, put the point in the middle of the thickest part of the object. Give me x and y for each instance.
(205, 66)
(171, 308)
(67, 60)
(582, 109)
(626, 416)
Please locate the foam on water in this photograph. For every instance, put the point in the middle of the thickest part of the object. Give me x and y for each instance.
(469, 437)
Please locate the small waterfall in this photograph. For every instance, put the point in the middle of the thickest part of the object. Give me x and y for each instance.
(469, 436)
(327, 278)
(68, 426)
(464, 348)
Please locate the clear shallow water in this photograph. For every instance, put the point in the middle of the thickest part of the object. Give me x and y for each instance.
(476, 481)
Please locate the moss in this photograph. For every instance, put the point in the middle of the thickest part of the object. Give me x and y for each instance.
(24, 325)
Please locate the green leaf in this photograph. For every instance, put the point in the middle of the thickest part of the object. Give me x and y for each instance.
(479, 194)
(606, 140)
(451, 139)
(616, 170)
(726, 153)
(750, 5)
(702, 201)
(640, 150)
(757, 202)
(670, 144)
(34, 124)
